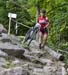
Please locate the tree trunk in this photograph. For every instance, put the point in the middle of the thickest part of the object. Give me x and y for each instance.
(37, 10)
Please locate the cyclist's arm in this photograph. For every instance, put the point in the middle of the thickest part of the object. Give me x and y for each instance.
(47, 23)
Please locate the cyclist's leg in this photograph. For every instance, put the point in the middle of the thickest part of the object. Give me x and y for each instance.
(40, 39)
(45, 38)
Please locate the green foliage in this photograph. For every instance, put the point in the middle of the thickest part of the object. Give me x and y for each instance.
(8, 65)
(18, 7)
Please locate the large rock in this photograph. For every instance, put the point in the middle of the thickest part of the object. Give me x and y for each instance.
(16, 62)
(35, 53)
(38, 71)
(15, 40)
(11, 49)
(54, 70)
(45, 61)
(2, 61)
(5, 38)
(2, 29)
(14, 71)
(9, 38)
(3, 54)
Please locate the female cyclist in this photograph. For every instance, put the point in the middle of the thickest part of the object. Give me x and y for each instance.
(43, 32)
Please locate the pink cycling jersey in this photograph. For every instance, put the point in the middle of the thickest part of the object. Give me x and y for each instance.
(42, 21)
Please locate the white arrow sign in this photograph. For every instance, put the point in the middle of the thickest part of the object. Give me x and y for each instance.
(12, 15)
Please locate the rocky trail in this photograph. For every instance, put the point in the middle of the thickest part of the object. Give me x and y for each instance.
(15, 59)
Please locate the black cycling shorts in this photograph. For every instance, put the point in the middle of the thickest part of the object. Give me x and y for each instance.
(44, 30)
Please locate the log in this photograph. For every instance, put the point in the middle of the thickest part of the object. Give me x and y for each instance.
(54, 54)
